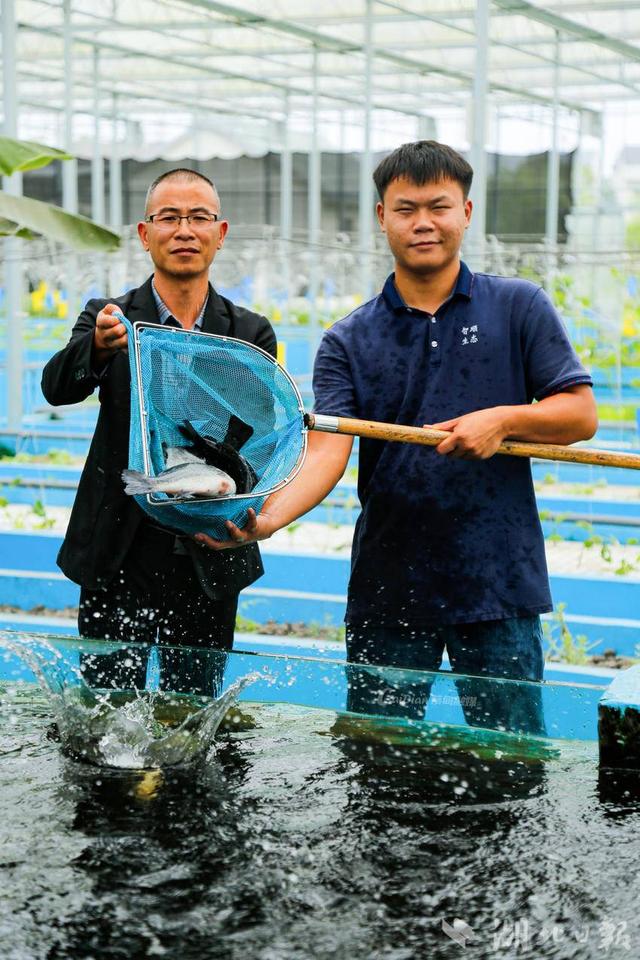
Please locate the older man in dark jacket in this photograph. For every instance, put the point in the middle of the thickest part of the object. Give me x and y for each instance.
(136, 578)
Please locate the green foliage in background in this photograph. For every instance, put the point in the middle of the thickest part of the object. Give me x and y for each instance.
(27, 218)
(18, 156)
(561, 643)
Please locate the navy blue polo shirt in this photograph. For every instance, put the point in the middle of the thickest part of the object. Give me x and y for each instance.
(441, 540)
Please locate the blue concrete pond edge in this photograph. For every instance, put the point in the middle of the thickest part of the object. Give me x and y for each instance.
(619, 721)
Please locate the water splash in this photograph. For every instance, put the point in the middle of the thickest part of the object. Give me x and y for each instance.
(125, 729)
(148, 729)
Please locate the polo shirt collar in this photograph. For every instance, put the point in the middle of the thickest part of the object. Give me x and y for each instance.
(463, 288)
(165, 315)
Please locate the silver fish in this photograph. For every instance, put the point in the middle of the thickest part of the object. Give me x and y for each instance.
(187, 481)
(174, 456)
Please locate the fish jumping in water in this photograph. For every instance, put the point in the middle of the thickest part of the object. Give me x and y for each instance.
(188, 480)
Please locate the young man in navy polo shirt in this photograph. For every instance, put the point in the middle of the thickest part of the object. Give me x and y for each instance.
(448, 550)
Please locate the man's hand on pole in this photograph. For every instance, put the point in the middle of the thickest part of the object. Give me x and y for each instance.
(474, 436)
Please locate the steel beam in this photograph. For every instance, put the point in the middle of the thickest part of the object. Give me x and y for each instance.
(286, 207)
(13, 281)
(365, 193)
(97, 162)
(553, 166)
(70, 167)
(115, 173)
(315, 209)
(478, 228)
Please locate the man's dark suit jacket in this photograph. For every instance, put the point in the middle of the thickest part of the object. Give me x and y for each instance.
(104, 520)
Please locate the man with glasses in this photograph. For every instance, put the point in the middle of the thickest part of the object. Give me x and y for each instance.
(139, 581)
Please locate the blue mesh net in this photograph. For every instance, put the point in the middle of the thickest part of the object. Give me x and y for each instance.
(197, 401)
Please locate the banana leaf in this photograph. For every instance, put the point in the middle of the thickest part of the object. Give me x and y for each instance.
(21, 155)
(10, 229)
(25, 217)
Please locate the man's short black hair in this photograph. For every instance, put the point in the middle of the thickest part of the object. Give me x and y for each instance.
(179, 173)
(423, 161)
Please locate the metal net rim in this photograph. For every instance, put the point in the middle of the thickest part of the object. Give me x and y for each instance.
(138, 327)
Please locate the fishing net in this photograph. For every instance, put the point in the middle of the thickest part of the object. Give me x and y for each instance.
(201, 397)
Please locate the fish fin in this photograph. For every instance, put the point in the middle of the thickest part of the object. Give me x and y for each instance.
(238, 432)
(135, 482)
(200, 445)
(175, 456)
(224, 455)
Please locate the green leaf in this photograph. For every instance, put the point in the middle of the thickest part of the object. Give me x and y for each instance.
(44, 219)
(21, 155)
(10, 229)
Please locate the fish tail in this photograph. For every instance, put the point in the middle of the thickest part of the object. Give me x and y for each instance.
(135, 482)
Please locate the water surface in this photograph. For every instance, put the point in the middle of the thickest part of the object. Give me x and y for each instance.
(305, 835)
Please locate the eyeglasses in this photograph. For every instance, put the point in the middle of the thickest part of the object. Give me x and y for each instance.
(168, 221)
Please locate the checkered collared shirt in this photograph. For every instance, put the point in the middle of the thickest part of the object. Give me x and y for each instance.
(165, 314)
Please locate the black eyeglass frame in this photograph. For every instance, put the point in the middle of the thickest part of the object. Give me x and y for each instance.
(189, 217)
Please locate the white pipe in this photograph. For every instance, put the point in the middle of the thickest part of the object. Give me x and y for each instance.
(553, 168)
(286, 206)
(477, 230)
(365, 193)
(315, 201)
(69, 167)
(115, 174)
(12, 246)
(97, 162)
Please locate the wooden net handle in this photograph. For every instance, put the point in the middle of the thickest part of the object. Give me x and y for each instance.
(431, 438)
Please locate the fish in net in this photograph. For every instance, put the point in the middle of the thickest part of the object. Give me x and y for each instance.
(204, 405)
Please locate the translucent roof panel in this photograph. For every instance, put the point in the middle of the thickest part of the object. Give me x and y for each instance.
(170, 71)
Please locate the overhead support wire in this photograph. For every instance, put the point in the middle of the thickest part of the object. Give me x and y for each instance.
(570, 27)
(522, 47)
(324, 41)
(199, 67)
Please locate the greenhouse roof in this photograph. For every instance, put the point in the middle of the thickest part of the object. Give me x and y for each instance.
(203, 78)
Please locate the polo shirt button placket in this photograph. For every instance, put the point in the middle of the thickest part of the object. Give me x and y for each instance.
(435, 353)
